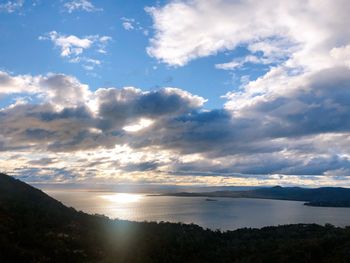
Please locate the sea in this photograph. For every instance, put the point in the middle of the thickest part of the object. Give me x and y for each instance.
(219, 213)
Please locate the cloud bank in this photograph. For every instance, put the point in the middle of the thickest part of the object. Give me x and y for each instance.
(280, 137)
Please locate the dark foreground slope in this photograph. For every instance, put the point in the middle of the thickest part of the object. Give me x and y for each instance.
(37, 228)
(324, 196)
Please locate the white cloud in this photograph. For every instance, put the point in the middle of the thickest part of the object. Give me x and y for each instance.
(87, 63)
(91, 63)
(11, 6)
(341, 55)
(16, 84)
(69, 45)
(239, 62)
(186, 30)
(73, 47)
(57, 89)
(83, 5)
(102, 43)
(272, 51)
(130, 24)
(230, 65)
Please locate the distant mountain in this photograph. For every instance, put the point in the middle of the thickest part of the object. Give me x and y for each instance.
(36, 228)
(324, 196)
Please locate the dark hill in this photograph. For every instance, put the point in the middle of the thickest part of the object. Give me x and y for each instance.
(36, 228)
(29, 199)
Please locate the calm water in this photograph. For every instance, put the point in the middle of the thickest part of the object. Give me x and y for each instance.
(224, 214)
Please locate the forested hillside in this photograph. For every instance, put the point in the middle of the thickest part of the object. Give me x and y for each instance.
(36, 228)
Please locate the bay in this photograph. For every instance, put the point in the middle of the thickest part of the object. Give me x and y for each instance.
(223, 214)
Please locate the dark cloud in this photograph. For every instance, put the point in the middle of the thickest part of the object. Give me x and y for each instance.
(43, 161)
(118, 107)
(321, 106)
(143, 166)
(274, 126)
(66, 113)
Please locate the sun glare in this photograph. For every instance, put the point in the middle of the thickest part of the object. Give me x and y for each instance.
(122, 198)
(141, 124)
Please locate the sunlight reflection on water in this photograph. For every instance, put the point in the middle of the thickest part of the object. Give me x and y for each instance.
(122, 198)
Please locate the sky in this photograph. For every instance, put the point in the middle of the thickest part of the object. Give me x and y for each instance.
(180, 92)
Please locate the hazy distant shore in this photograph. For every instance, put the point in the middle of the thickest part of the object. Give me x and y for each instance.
(320, 197)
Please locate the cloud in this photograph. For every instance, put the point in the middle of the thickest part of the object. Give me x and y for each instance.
(267, 52)
(128, 23)
(341, 55)
(56, 89)
(272, 135)
(80, 5)
(63, 91)
(120, 107)
(72, 47)
(240, 62)
(17, 84)
(131, 24)
(71, 117)
(186, 30)
(297, 105)
(11, 6)
(102, 43)
(69, 45)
